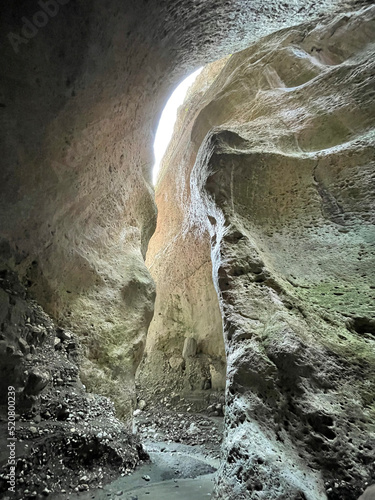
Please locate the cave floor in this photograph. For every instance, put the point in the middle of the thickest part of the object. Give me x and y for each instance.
(179, 471)
(184, 456)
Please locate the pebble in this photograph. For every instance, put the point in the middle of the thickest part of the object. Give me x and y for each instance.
(142, 404)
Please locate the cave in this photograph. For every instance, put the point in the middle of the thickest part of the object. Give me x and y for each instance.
(212, 335)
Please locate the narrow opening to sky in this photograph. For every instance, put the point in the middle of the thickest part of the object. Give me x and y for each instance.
(168, 120)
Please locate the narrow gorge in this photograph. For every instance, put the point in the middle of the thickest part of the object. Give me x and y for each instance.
(214, 336)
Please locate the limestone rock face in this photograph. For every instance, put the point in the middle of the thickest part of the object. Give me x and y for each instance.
(273, 195)
(45, 409)
(187, 323)
(83, 85)
(282, 143)
(289, 182)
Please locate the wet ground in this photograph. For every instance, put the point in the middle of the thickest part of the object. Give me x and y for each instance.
(179, 457)
(68, 442)
(176, 471)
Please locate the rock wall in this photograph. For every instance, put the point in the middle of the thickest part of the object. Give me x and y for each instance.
(55, 436)
(184, 355)
(82, 87)
(283, 186)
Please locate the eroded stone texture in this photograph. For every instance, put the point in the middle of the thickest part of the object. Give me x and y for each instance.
(185, 346)
(80, 96)
(59, 432)
(283, 182)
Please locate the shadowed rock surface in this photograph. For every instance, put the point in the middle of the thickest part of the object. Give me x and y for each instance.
(268, 186)
(80, 99)
(185, 347)
(65, 438)
(282, 147)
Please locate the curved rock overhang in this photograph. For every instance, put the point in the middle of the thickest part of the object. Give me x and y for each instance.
(82, 87)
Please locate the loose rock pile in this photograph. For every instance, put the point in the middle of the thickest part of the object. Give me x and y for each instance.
(66, 440)
(194, 429)
(162, 397)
